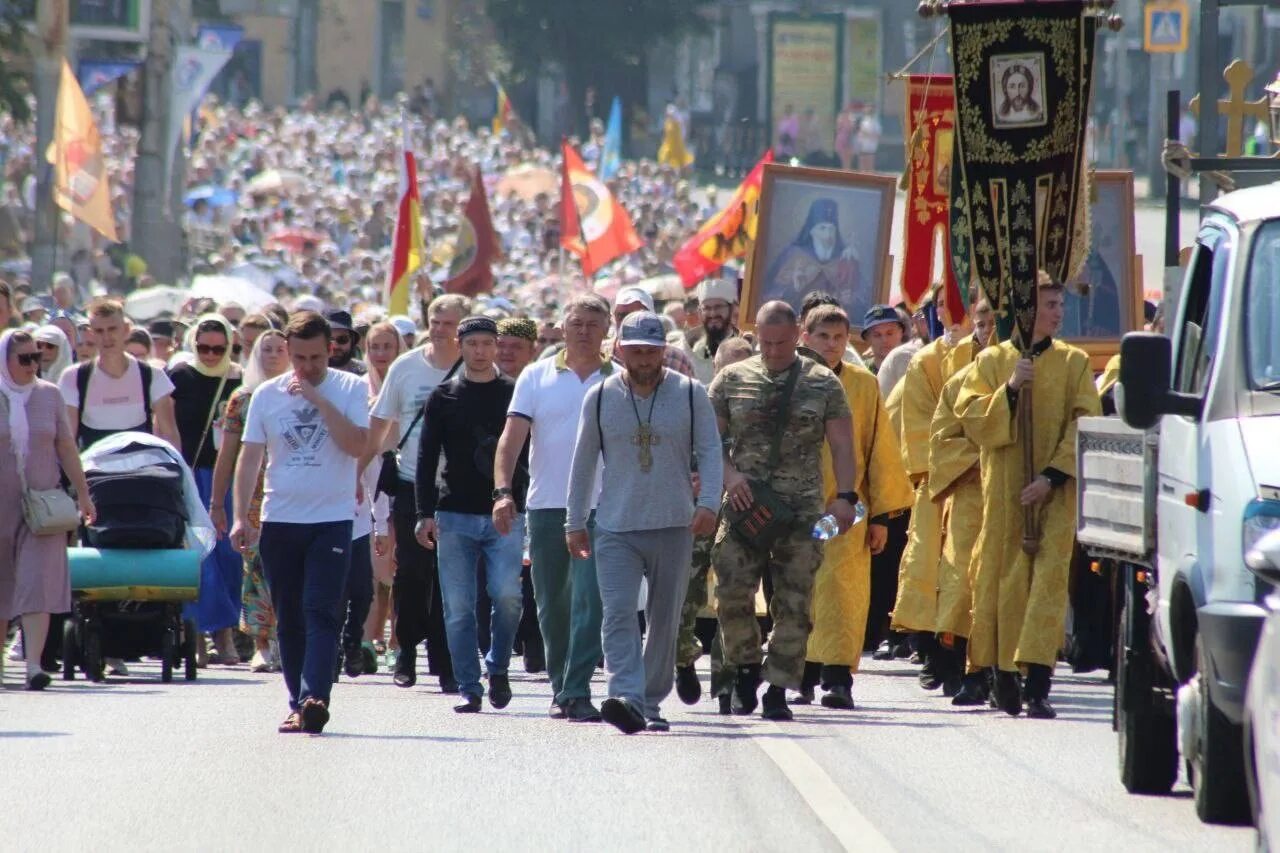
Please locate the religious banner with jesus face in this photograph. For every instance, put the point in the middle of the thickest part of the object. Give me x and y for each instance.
(1023, 73)
(930, 133)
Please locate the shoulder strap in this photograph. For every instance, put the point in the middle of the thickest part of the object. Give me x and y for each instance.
(144, 370)
(422, 410)
(780, 424)
(82, 387)
(599, 404)
(693, 454)
(208, 422)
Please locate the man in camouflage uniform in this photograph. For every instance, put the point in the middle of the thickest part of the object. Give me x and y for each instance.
(747, 401)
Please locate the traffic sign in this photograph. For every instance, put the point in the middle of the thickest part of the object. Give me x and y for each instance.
(1166, 27)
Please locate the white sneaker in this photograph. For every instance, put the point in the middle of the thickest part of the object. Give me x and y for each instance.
(115, 666)
(259, 662)
(16, 654)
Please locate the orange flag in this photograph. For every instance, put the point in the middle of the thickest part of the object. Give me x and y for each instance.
(726, 235)
(80, 174)
(595, 227)
(476, 246)
(406, 245)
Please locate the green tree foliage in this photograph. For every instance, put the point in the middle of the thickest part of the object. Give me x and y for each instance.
(13, 84)
(587, 37)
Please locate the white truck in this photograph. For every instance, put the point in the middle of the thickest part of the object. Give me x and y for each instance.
(1176, 490)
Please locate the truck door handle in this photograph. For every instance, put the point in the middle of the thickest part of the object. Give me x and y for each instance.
(1166, 489)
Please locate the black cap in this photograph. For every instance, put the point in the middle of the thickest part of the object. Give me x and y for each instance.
(477, 326)
(161, 328)
(879, 315)
(339, 320)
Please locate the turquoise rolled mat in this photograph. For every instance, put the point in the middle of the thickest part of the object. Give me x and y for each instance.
(122, 574)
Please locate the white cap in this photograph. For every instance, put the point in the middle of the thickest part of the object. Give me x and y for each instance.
(632, 295)
(718, 288)
(403, 325)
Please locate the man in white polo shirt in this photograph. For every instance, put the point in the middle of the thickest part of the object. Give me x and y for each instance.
(545, 409)
(312, 423)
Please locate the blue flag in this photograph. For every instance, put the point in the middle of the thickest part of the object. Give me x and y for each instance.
(93, 74)
(611, 156)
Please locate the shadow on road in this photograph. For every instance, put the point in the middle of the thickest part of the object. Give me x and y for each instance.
(33, 734)
(432, 738)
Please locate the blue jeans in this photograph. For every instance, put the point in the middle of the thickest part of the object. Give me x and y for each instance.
(306, 568)
(462, 538)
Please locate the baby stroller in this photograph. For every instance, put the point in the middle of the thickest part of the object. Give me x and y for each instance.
(139, 562)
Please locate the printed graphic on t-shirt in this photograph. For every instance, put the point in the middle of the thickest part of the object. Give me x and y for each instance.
(305, 434)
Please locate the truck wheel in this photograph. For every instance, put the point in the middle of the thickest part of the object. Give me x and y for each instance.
(1217, 768)
(1144, 720)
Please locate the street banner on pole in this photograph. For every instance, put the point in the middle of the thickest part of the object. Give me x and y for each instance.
(193, 71)
(93, 74)
(80, 175)
(406, 246)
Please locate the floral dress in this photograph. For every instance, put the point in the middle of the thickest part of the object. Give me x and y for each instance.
(257, 616)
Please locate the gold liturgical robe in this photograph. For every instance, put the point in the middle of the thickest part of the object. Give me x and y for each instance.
(955, 481)
(1020, 602)
(916, 608)
(842, 588)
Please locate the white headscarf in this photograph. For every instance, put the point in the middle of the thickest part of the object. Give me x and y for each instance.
(16, 396)
(254, 372)
(57, 337)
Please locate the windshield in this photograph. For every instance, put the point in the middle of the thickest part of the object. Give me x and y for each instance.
(1262, 309)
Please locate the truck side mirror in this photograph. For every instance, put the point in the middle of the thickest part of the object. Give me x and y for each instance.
(1263, 558)
(1144, 391)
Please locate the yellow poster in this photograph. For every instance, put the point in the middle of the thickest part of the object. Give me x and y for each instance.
(862, 59)
(804, 82)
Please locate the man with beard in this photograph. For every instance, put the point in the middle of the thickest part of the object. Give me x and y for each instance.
(1019, 105)
(342, 347)
(717, 302)
(818, 259)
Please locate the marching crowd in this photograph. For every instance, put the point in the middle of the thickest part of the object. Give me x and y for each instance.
(785, 499)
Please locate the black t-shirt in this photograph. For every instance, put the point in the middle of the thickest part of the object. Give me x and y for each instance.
(464, 419)
(192, 398)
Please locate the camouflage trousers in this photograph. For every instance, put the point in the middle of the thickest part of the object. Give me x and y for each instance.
(688, 648)
(793, 563)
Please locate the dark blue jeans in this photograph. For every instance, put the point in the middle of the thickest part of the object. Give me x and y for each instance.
(359, 594)
(306, 568)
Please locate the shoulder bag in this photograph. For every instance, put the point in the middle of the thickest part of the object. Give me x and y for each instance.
(769, 517)
(47, 512)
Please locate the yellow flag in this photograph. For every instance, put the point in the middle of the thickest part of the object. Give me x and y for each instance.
(80, 173)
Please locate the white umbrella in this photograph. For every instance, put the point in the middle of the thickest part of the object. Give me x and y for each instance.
(276, 181)
(227, 288)
(151, 302)
(265, 273)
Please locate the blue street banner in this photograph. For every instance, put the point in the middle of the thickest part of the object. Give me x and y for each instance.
(611, 156)
(219, 36)
(193, 70)
(93, 74)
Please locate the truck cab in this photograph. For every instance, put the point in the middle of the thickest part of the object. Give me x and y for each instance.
(1203, 404)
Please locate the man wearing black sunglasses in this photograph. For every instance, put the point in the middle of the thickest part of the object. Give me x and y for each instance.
(342, 347)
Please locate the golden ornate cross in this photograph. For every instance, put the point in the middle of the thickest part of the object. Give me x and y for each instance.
(1239, 74)
(645, 440)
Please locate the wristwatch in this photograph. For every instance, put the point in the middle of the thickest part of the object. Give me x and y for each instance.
(851, 497)
(499, 494)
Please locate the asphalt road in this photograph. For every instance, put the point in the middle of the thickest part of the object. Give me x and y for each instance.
(138, 765)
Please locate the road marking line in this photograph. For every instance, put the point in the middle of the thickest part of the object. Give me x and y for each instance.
(842, 818)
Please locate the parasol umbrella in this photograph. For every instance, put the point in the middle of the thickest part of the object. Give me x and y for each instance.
(279, 181)
(216, 196)
(294, 238)
(527, 181)
(663, 287)
(150, 302)
(265, 273)
(228, 288)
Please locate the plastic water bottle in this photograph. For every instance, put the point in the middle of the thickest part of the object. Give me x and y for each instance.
(828, 528)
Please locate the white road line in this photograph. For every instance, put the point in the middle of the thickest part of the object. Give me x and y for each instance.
(851, 827)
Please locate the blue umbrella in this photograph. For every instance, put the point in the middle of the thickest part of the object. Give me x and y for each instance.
(216, 196)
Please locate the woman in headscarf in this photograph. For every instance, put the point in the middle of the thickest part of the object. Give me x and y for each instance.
(35, 439)
(267, 360)
(201, 388)
(383, 345)
(55, 352)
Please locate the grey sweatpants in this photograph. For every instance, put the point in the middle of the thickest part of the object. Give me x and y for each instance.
(622, 559)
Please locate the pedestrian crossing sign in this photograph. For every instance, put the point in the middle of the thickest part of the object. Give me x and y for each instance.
(1166, 27)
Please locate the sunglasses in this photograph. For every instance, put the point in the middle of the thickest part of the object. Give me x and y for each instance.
(342, 340)
(210, 349)
(27, 359)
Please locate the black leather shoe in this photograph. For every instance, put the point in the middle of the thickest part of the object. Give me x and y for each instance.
(499, 691)
(1040, 709)
(1008, 692)
(884, 652)
(656, 724)
(745, 689)
(929, 677)
(621, 715)
(804, 696)
(368, 661)
(902, 650)
(406, 668)
(448, 685)
(556, 711)
(916, 658)
(353, 663)
(838, 697)
(774, 705)
(535, 659)
(582, 711)
(951, 685)
(470, 704)
(726, 704)
(688, 687)
(973, 691)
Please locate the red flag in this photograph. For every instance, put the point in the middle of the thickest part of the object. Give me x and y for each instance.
(407, 251)
(726, 235)
(476, 246)
(593, 225)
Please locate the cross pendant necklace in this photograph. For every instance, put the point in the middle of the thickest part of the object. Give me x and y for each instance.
(644, 439)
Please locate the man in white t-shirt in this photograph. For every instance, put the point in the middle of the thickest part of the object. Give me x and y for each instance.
(416, 590)
(115, 398)
(312, 425)
(545, 410)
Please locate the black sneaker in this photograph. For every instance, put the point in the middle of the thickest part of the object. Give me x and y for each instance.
(657, 724)
(315, 714)
(448, 685)
(470, 704)
(973, 691)
(499, 691)
(353, 663)
(1008, 692)
(774, 705)
(535, 659)
(838, 697)
(581, 710)
(745, 689)
(688, 687)
(804, 696)
(406, 668)
(621, 715)
(368, 661)
(726, 704)
(1040, 709)
(884, 652)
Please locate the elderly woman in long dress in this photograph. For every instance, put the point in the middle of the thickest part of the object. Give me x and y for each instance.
(36, 439)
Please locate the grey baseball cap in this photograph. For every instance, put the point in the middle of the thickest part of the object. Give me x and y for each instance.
(642, 329)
